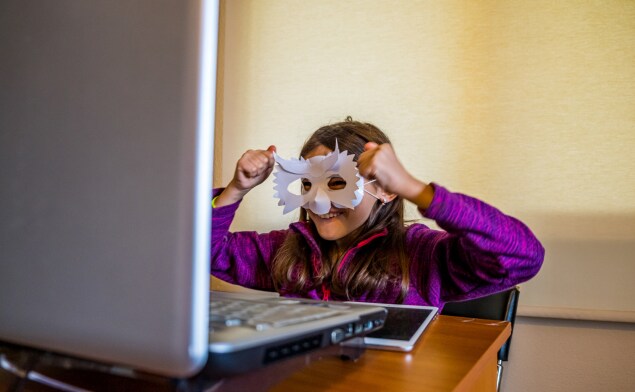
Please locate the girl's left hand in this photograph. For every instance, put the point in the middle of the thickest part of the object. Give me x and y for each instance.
(379, 162)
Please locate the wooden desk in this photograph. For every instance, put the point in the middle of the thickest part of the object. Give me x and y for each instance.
(454, 354)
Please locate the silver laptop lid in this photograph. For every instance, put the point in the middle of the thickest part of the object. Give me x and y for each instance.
(106, 123)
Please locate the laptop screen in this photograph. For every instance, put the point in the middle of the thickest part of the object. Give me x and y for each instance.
(106, 128)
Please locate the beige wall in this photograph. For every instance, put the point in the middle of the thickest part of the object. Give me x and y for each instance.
(529, 105)
(526, 104)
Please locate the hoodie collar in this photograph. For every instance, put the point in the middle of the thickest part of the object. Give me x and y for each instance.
(304, 229)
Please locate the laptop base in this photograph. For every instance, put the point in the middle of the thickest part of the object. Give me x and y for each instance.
(31, 369)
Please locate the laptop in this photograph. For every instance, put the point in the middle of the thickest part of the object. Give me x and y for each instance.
(107, 110)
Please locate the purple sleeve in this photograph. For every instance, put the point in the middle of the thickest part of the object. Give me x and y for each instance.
(242, 258)
(481, 251)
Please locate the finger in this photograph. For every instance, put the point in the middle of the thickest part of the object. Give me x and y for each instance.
(264, 162)
(248, 170)
(365, 156)
(365, 161)
(370, 146)
(366, 169)
(269, 153)
(252, 166)
(258, 158)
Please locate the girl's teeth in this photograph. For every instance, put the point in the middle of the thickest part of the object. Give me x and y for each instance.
(327, 216)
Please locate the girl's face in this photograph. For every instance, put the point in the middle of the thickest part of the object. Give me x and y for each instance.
(338, 223)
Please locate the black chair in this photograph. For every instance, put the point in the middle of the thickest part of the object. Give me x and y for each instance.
(500, 306)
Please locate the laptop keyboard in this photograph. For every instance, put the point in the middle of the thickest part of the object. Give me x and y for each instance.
(264, 314)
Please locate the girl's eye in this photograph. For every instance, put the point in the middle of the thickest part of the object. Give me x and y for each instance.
(337, 183)
(306, 185)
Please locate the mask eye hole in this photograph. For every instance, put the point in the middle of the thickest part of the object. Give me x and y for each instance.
(306, 185)
(336, 183)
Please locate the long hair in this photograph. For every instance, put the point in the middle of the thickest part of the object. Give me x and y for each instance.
(380, 265)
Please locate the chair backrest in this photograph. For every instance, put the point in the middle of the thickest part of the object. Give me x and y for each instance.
(499, 306)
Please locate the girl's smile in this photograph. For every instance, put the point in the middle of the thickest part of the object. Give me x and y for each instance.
(338, 223)
(331, 214)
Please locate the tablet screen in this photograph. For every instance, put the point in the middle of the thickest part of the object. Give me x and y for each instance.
(402, 323)
(402, 328)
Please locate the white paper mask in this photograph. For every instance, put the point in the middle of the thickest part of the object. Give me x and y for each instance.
(318, 171)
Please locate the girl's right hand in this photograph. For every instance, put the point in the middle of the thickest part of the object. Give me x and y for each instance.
(252, 169)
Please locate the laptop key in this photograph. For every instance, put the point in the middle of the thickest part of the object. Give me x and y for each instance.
(262, 316)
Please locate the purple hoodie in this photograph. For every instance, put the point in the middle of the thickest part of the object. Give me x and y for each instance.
(481, 251)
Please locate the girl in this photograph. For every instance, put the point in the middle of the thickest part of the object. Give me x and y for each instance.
(367, 253)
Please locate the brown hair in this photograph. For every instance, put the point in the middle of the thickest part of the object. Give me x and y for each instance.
(380, 265)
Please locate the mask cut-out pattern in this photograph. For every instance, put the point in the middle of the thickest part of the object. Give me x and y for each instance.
(318, 171)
